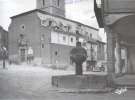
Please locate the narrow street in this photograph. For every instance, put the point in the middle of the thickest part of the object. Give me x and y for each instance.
(34, 83)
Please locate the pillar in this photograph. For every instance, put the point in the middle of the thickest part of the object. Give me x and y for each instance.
(126, 60)
(110, 50)
(118, 55)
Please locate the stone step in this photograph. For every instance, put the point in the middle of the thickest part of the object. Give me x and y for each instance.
(126, 81)
(81, 82)
(63, 90)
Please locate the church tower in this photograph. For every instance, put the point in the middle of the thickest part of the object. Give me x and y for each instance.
(55, 7)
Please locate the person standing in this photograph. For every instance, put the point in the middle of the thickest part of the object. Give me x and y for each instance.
(4, 55)
(30, 55)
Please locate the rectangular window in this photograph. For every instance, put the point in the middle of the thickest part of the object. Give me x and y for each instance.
(68, 28)
(77, 32)
(71, 39)
(56, 53)
(90, 35)
(42, 37)
(50, 23)
(86, 33)
(43, 45)
(64, 38)
(54, 37)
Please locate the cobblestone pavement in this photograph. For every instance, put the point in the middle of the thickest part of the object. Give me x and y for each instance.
(34, 83)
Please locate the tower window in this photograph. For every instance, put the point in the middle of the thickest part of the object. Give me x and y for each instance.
(43, 2)
(58, 2)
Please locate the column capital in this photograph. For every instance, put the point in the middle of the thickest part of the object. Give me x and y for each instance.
(109, 32)
(117, 37)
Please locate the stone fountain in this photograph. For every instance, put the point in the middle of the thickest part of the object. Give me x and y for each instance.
(80, 81)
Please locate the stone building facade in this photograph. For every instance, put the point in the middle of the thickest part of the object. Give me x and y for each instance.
(3, 37)
(48, 32)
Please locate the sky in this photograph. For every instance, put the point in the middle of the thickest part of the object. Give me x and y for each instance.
(78, 10)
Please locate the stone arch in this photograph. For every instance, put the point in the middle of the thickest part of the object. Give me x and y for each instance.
(113, 18)
(125, 26)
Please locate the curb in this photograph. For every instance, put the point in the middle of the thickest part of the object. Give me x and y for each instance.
(61, 90)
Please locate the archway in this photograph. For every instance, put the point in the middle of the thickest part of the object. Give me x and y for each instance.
(125, 28)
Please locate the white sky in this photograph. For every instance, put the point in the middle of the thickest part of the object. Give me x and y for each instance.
(78, 10)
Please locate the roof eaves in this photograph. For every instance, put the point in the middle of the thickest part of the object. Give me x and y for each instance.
(24, 13)
(44, 12)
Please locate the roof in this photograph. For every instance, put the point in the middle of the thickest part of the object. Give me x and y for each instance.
(2, 29)
(44, 12)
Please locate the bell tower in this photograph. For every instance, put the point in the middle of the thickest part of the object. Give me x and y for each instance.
(55, 7)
